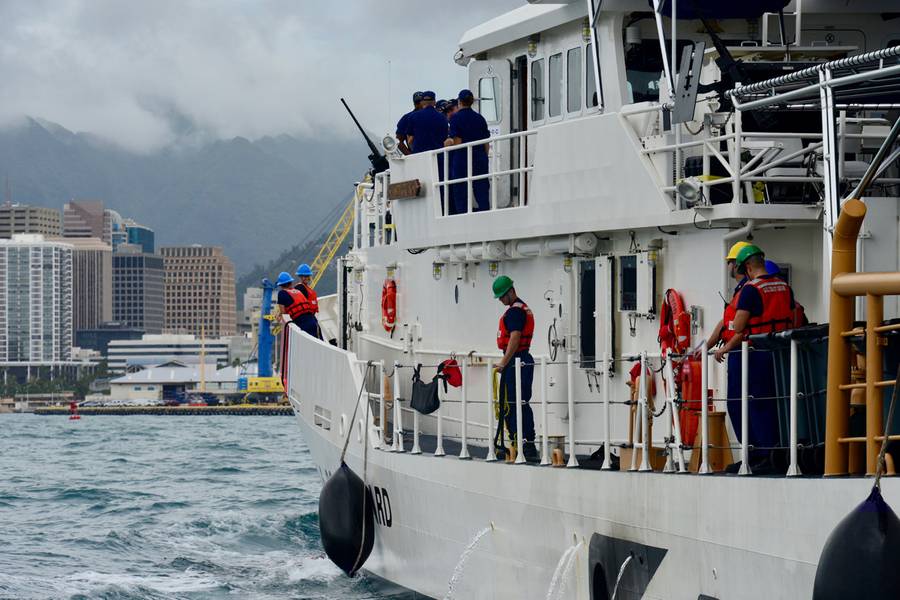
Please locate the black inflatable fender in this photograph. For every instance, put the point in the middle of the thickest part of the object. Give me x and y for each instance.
(347, 520)
(859, 559)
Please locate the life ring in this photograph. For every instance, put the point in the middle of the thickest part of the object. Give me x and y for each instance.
(674, 324)
(389, 305)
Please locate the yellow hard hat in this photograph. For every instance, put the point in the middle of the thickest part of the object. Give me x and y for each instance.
(737, 247)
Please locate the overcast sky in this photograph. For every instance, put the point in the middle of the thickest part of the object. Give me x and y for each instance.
(137, 71)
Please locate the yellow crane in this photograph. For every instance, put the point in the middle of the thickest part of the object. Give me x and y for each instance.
(335, 238)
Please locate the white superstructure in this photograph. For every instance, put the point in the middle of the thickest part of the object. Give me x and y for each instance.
(600, 202)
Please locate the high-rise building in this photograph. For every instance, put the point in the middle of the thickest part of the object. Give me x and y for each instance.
(25, 218)
(140, 235)
(153, 350)
(92, 284)
(249, 316)
(138, 289)
(200, 292)
(35, 300)
(89, 218)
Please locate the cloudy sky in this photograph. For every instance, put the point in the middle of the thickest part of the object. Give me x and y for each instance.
(140, 71)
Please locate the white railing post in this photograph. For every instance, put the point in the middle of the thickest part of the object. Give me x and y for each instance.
(471, 199)
(745, 409)
(645, 425)
(382, 419)
(491, 456)
(439, 449)
(520, 437)
(545, 442)
(398, 410)
(704, 413)
(676, 420)
(416, 449)
(670, 425)
(570, 400)
(793, 469)
(464, 415)
(495, 166)
(445, 203)
(607, 451)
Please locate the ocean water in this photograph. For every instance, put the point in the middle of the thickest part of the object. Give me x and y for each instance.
(159, 508)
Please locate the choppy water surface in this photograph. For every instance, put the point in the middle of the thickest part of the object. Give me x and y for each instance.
(161, 508)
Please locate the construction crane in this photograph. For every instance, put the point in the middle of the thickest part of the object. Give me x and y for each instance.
(333, 242)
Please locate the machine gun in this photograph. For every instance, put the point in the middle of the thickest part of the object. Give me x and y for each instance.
(379, 161)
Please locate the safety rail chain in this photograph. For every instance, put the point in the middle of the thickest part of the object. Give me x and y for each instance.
(841, 457)
(641, 420)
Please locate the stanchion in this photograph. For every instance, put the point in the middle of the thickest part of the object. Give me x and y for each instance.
(607, 451)
(793, 468)
(520, 437)
(704, 413)
(645, 424)
(491, 456)
(570, 397)
(545, 442)
(398, 411)
(745, 409)
(464, 415)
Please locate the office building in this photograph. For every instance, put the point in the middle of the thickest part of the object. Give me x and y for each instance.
(35, 301)
(92, 284)
(89, 218)
(153, 350)
(98, 339)
(138, 289)
(249, 316)
(140, 235)
(25, 218)
(200, 292)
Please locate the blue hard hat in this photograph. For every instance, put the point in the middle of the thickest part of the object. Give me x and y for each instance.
(304, 271)
(772, 267)
(465, 94)
(284, 278)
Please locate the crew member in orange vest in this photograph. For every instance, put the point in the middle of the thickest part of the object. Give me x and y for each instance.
(307, 320)
(723, 331)
(514, 335)
(765, 305)
(289, 301)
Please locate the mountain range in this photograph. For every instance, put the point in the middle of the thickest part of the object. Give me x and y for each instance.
(259, 199)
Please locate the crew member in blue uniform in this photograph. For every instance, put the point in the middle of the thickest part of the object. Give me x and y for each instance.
(403, 124)
(426, 128)
(514, 335)
(468, 126)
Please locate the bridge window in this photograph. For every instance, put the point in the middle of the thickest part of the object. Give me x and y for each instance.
(573, 80)
(537, 90)
(590, 88)
(554, 85)
(487, 96)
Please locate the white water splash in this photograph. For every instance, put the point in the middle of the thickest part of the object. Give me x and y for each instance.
(460, 565)
(561, 575)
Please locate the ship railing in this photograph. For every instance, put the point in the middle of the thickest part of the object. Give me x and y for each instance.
(642, 419)
(774, 157)
(510, 164)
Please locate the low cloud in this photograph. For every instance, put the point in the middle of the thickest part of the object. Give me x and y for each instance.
(143, 74)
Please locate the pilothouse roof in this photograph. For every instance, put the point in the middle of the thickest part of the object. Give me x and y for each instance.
(517, 24)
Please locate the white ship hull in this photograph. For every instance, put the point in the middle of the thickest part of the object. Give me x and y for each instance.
(723, 536)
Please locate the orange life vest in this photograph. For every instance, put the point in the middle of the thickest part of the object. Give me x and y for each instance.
(527, 332)
(778, 312)
(674, 324)
(729, 314)
(298, 306)
(310, 298)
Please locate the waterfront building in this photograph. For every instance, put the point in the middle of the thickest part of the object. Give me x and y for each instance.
(92, 282)
(152, 350)
(35, 300)
(25, 218)
(200, 291)
(140, 235)
(98, 338)
(165, 382)
(138, 289)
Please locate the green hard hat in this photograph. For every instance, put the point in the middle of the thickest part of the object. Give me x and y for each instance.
(502, 285)
(746, 252)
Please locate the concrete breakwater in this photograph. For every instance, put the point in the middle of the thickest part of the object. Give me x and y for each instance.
(234, 409)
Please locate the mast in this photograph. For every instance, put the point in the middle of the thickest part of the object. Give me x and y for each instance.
(202, 359)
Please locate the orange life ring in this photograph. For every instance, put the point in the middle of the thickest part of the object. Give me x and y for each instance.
(674, 324)
(389, 305)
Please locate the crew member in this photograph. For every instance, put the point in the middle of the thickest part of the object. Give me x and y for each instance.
(307, 320)
(426, 128)
(468, 126)
(403, 124)
(723, 331)
(765, 304)
(452, 108)
(288, 300)
(514, 336)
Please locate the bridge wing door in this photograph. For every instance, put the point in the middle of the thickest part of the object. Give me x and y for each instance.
(491, 81)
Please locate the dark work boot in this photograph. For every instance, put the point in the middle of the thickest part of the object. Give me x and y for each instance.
(531, 453)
